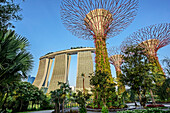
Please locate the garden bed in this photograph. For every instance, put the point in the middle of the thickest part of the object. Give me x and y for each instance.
(155, 106)
(111, 109)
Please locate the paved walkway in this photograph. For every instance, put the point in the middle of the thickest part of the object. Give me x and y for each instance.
(45, 111)
(49, 111)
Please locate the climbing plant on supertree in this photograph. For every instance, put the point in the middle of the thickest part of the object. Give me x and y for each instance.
(151, 38)
(116, 59)
(98, 20)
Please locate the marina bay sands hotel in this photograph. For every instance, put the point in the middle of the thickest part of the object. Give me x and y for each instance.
(61, 68)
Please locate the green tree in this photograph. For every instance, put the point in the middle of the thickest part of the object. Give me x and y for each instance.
(103, 88)
(15, 62)
(25, 93)
(21, 95)
(81, 99)
(164, 90)
(137, 72)
(166, 61)
(55, 97)
(8, 13)
(59, 96)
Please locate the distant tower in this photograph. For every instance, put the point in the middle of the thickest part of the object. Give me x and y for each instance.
(151, 38)
(116, 59)
(98, 20)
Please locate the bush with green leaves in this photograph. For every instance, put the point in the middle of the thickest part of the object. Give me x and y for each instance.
(103, 88)
(58, 96)
(105, 110)
(81, 99)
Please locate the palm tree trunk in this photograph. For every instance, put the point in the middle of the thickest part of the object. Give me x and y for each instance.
(63, 106)
(83, 87)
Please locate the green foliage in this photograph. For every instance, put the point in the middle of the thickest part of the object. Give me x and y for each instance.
(15, 62)
(104, 88)
(137, 72)
(164, 90)
(19, 98)
(58, 96)
(9, 12)
(102, 60)
(105, 110)
(166, 61)
(152, 110)
(81, 99)
(82, 110)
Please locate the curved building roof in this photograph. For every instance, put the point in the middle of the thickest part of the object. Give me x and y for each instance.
(69, 51)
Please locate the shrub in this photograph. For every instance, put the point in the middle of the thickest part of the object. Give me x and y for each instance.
(105, 110)
(83, 110)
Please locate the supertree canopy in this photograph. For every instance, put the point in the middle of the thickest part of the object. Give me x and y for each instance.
(116, 59)
(98, 20)
(151, 38)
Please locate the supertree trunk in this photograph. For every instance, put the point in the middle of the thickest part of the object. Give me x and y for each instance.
(155, 62)
(117, 60)
(121, 87)
(102, 60)
(157, 70)
(150, 47)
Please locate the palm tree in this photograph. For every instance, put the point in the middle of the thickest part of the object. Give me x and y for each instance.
(15, 60)
(59, 95)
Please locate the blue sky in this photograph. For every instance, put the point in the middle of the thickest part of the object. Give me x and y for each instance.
(43, 27)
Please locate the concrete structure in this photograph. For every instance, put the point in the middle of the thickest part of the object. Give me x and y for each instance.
(60, 71)
(84, 66)
(43, 73)
(61, 68)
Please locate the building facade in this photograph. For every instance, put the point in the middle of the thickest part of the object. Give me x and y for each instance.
(61, 67)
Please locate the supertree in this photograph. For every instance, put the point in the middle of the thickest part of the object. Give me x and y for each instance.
(98, 20)
(151, 38)
(116, 59)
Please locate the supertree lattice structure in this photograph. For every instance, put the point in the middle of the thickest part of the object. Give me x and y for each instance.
(116, 59)
(98, 20)
(151, 38)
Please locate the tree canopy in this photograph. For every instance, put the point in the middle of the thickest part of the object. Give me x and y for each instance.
(9, 12)
(136, 71)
